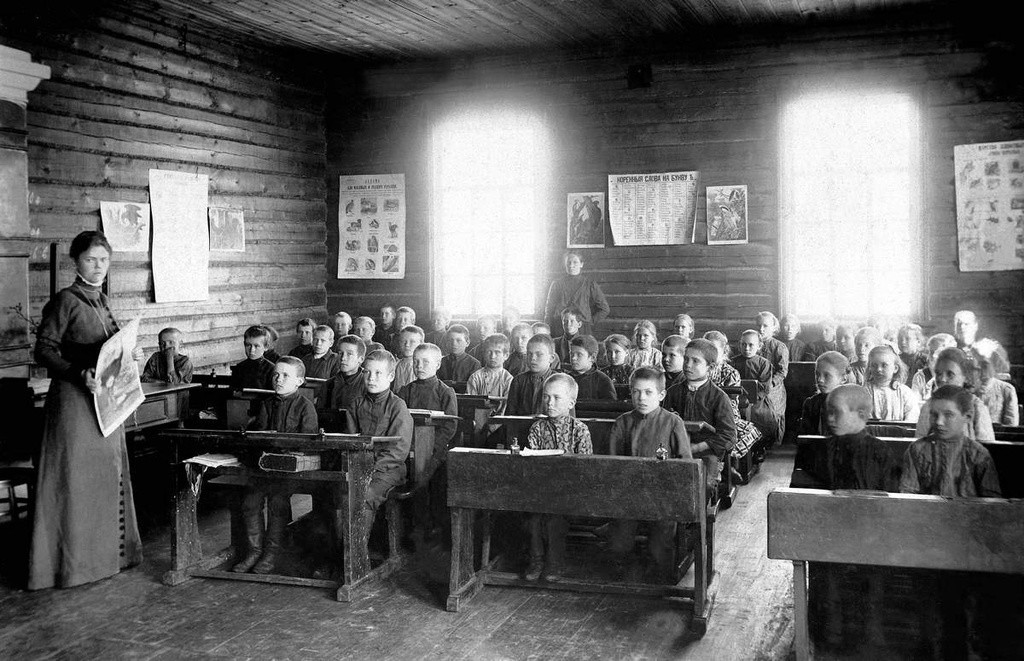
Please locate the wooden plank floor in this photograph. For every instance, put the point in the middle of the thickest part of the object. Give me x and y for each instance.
(132, 615)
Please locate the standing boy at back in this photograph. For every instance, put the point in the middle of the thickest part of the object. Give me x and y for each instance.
(558, 431)
(349, 383)
(829, 373)
(322, 363)
(753, 366)
(439, 320)
(487, 325)
(304, 332)
(673, 349)
(516, 361)
(168, 364)
(342, 326)
(386, 330)
(255, 371)
(591, 382)
(405, 316)
(572, 322)
(640, 433)
(458, 365)
(827, 341)
(524, 393)
(789, 330)
(406, 342)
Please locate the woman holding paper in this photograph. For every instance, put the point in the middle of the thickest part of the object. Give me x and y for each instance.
(84, 527)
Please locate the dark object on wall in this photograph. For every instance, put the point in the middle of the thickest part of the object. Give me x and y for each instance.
(639, 75)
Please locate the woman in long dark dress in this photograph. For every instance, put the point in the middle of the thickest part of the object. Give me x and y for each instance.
(84, 527)
(575, 290)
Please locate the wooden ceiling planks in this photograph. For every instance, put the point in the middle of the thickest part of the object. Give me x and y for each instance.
(404, 29)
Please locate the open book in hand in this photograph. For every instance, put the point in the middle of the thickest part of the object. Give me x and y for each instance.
(213, 460)
(527, 452)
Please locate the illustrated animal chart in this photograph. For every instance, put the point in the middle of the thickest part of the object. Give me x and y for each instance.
(126, 225)
(652, 209)
(727, 215)
(371, 227)
(990, 205)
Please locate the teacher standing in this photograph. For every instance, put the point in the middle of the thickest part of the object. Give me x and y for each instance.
(84, 527)
(575, 290)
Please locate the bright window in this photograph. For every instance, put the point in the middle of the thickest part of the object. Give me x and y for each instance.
(850, 242)
(488, 171)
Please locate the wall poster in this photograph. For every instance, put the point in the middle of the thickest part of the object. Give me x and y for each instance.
(371, 226)
(727, 215)
(652, 209)
(585, 220)
(181, 238)
(126, 225)
(990, 205)
(227, 229)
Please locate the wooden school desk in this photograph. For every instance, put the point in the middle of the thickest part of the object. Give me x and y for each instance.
(165, 404)
(349, 461)
(633, 488)
(475, 410)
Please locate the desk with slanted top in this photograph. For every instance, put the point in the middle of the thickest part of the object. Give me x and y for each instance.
(476, 411)
(347, 462)
(573, 485)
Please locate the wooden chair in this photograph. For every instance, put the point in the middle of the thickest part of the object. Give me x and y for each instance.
(19, 449)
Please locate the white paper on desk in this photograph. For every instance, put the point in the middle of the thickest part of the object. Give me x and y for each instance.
(432, 414)
(213, 460)
(527, 452)
(119, 391)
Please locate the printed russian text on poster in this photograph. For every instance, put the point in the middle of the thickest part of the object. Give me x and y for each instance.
(227, 229)
(652, 209)
(119, 392)
(727, 215)
(371, 226)
(585, 220)
(181, 238)
(990, 205)
(126, 225)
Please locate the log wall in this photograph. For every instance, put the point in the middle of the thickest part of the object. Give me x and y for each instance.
(714, 106)
(129, 93)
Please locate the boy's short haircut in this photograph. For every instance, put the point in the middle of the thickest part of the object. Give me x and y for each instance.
(390, 306)
(355, 341)
(540, 324)
(716, 337)
(966, 362)
(342, 313)
(827, 322)
(487, 317)
(648, 325)
(940, 340)
(300, 367)
(835, 360)
(324, 329)
(770, 316)
(587, 342)
(963, 399)
(706, 348)
(424, 347)
(570, 383)
(458, 329)
(856, 398)
(541, 338)
(673, 341)
(868, 332)
(522, 326)
(647, 374)
(415, 330)
(365, 320)
(684, 316)
(169, 329)
(750, 331)
(617, 339)
(912, 330)
(253, 332)
(497, 341)
(375, 346)
(382, 356)
(573, 312)
(845, 328)
(305, 322)
(406, 310)
(271, 333)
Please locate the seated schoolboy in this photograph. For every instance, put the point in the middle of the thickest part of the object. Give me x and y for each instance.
(616, 348)
(866, 339)
(645, 352)
(754, 367)
(683, 326)
(789, 331)
(486, 326)
(321, 363)
(946, 461)
(827, 341)
(640, 433)
(572, 322)
(999, 396)
(524, 393)
(271, 353)
(892, 399)
(699, 400)
(406, 342)
(458, 365)
(349, 383)
(386, 330)
(341, 324)
(542, 328)
(724, 375)
(168, 364)
(404, 316)
(510, 318)
(287, 412)
(365, 328)
(830, 371)
(954, 367)
(673, 350)
(304, 332)
(850, 458)
(558, 431)
(440, 318)
(255, 371)
(778, 355)
(521, 333)
(591, 382)
(380, 412)
(492, 379)
(913, 354)
(923, 381)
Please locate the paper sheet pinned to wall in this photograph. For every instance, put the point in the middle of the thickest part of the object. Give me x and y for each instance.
(652, 209)
(181, 239)
(990, 205)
